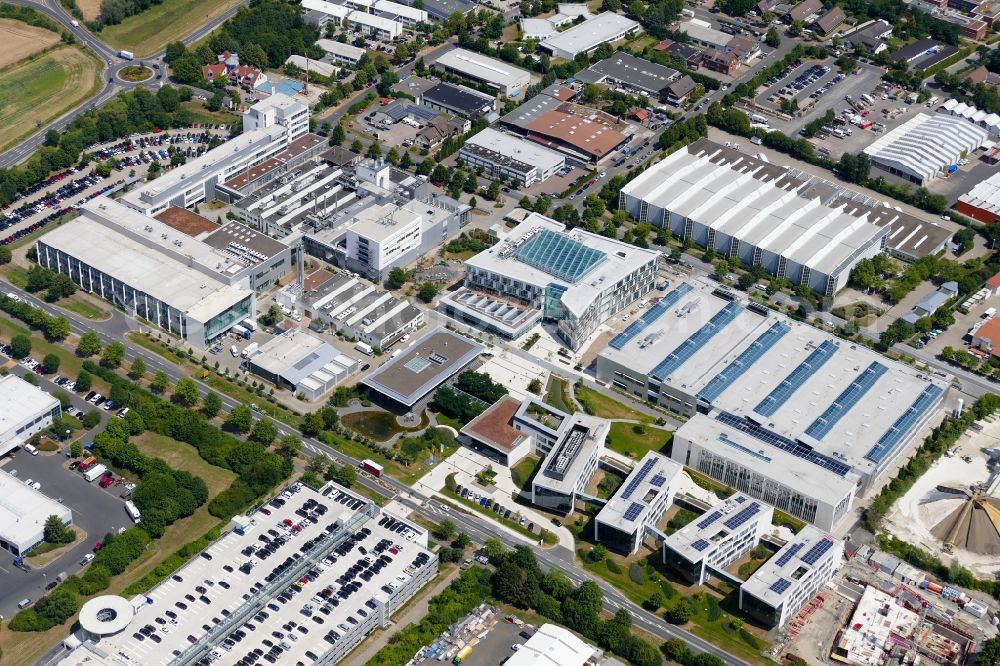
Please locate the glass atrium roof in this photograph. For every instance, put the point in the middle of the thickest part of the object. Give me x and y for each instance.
(559, 255)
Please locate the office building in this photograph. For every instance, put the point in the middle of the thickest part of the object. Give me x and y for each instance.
(379, 27)
(303, 363)
(249, 179)
(404, 14)
(604, 28)
(543, 28)
(441, 10)
(494, 314)
(744, 208)
(496, 429)
(24, 411)
(458, 100)
(509, 81)
(569, 465)
(575, 278)
(774, 593)
(361, 565)
(321, 12)
(926, 146)
(346, 54)
(411, 376)
(362, 311)
(778, 409)
(381, 236)
(511, 157)
(624, 71)
(638, 505)
(24, 510)
(188, 287)
(707, 545)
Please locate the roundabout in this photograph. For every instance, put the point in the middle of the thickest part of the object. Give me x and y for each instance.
(134, 73)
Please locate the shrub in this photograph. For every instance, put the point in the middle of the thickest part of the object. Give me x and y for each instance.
(613, 567)
(636, 573)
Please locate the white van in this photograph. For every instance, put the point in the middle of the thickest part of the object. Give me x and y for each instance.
(24, 603)
(30, 448)
(234, 351)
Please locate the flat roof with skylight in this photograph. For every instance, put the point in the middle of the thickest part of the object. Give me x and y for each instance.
(777, 579)
(698, 540)
(628, 508)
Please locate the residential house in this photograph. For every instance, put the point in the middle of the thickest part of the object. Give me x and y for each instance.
(746, 47)
(871, 35)
(229, 66)
(677, 92)
(438, 129)
(685, 53)
(983, 75)
(806, 11)
(724, 62)
(831, 20)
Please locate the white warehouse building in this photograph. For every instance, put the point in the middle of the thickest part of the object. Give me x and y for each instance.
(776, 408)
(23, 513)
(507, 79)
(744, 208)
(604, 28)
(24, 411)
(510, 156)
(926, 146)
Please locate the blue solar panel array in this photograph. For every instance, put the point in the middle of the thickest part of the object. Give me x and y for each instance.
(633, 511)
(893, 435)
(783, 443)
(787, 556)
(817, 551)
(700, 545)
(650, 316)
(709, 519)
(750, 355)
(647, 467)
(769, 405)
(658, 481)
(846, 401)
(780, 585)
(743, 516)
(699, 339)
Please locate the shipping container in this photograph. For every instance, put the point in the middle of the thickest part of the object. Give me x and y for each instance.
(371, 467)
(249, 323)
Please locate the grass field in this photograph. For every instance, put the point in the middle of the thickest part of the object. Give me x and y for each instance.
(203, 115)
(625, 440)
(169, 21)
(557, 394)
(21, 40)
(91, 8)
(184, 457)
(43, 88)
(606, 407)
(79, 304)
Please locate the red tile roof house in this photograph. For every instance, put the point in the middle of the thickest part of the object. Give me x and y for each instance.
(230, 67)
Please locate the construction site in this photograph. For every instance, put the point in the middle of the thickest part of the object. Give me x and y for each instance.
(953, 510)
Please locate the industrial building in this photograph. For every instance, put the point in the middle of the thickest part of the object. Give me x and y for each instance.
(538, 28)
(704, 35)
(24, 510)
(508, 156)
(24, 411)
(987, 120)
(982, 202)
(190, 288)
(707, 545)
(774, 593)
(285, 203)
(926, 146)
(626, 72)
(831, 416)
(362, 311)
(749, 209)
(346, 54)
(583, 38)
(249, 179)
(575, 278)
(296, 589)
(379, 27)
(552, 645)
(321, 12)
(569, 465)
(509, 318)
(422, 367)
(302, 362)
(638, 505)
(458, 101)
(509, 81)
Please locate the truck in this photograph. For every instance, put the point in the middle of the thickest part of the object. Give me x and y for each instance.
(234, 351)
(85, 465)
(127, 55)
(989, 312)
(249, 324)
(867, 99)
(932, 101)
(462, 655)
(372, 467)
(250, 349)
(95, 472)
(241, 331)
(365, 349)
(133, 511)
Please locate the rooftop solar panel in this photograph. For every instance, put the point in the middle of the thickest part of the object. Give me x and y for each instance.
(700, 545)
(780, 585)
(650, 316)
(846, 401)
(783, 443)
(658, 481)
(742, 363)
(709, 519)
(888, 441)
(696, 341)
(633, 511)
(817, 551)
(306, 360)
(787, 556)
(559, 255)
(638, 478)
(783, 391)
(742, 516)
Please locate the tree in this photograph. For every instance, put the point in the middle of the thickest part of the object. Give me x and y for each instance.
(772, 38)
(374, 150)
(428, 290)
(138, 369)
(20, 346)
(796, 27)
(76, 449)
(253, 54)
(473, 202)
(160, 383)
(5, 255)
(513, 585)
(56, 532)
(83, 382)
(345, 475)
(240, 419)
(681, 612)
(405, 162)
(290, 446)
(535, 386)
(91, 418)
(212, 404)
(357, 146)
(338, 135)
(50, 364)
(186, 392)
(263, 432)
(444, 530)
(113, 355)
(397, 278)
(721, 269)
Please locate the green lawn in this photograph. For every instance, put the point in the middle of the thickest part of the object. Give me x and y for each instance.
(84, 308)
(169, 21)
(624, 439)
(444, 419)
(524, 471)
(184, 457)
(607, 407)
(203, 115)
(557, 394)
(69, 363)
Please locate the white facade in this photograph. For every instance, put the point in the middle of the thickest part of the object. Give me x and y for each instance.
(345, 53)
(507, 79)
(510, 156)
(584, 38)
(552, 645)
(383, 236)
(570, 464)
(278, 110)
(23, 513)
(926, 146)
(329, 10)
(376, 26)
(408, 16)
(638, 504)
(24, 410)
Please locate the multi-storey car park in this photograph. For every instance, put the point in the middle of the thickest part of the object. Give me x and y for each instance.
(778, 409)
(302, 580)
